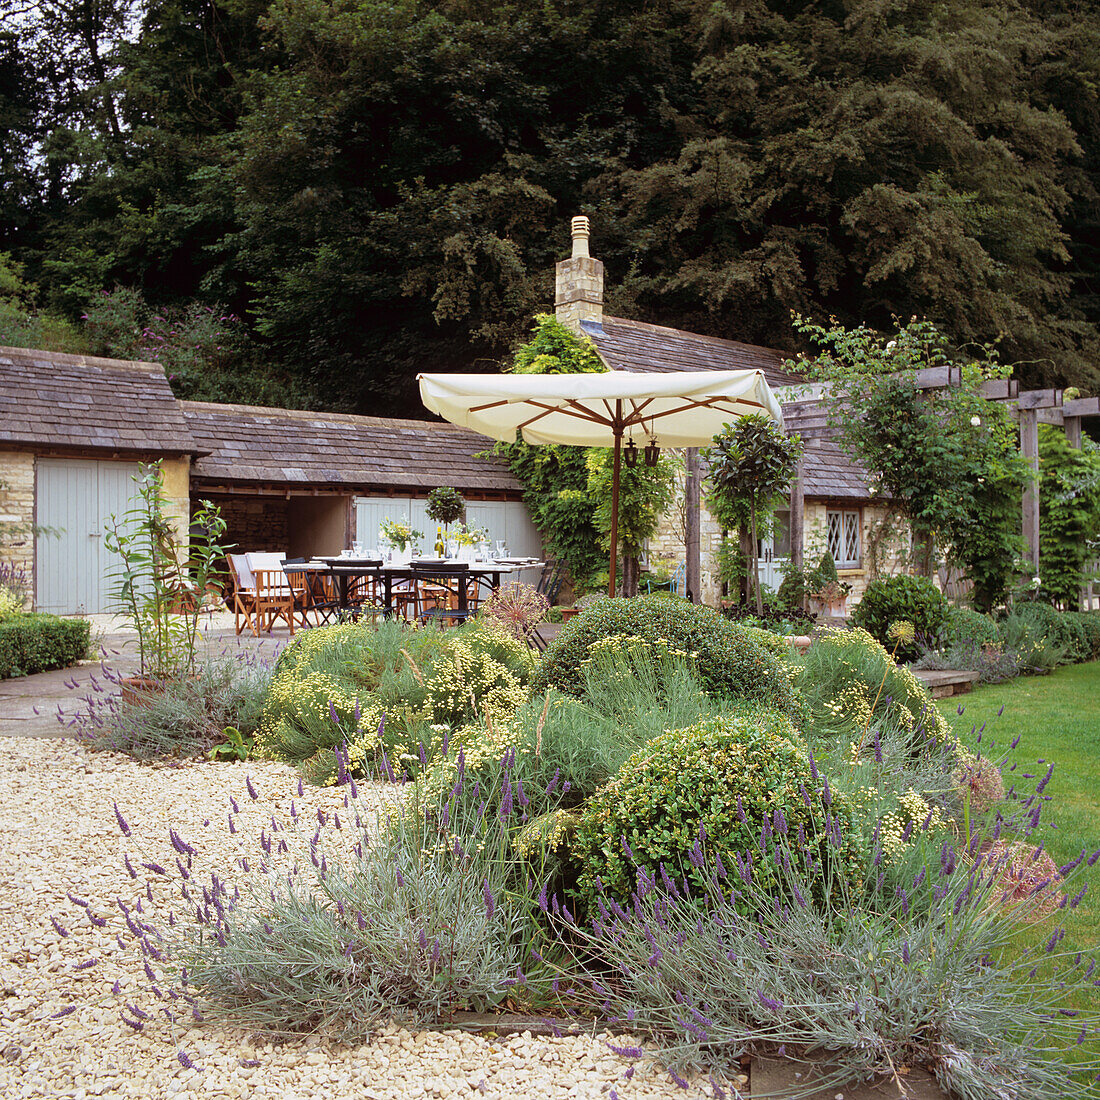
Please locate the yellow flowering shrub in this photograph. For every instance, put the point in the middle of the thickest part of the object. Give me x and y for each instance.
(10, 604)
(548, 835)
(911, 818)
(337, 687)
(483, 673)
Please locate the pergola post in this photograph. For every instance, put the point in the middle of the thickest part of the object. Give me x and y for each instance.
(1072, 426)
(798, 515)
(692, 549)
(1029, 448)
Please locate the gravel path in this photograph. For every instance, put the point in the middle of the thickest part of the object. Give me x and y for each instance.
(58, 835)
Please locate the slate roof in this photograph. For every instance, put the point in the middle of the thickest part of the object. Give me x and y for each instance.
(53, 400)
(828, 473)
(246, 443)
(638, 347)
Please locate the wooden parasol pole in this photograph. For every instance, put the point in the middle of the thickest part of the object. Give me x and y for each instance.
(617, 428)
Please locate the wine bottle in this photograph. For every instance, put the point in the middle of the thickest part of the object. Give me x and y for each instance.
(440, 545)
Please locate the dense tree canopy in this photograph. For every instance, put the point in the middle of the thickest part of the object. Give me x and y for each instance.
(378, 188)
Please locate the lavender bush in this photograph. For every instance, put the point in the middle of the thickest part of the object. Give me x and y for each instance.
(348, 917)
(916, 967)
(181, 717)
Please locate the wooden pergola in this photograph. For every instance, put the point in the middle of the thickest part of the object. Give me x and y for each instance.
(1029, 407)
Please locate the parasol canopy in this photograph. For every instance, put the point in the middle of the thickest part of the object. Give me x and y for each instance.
(677, 409)
(681, 408)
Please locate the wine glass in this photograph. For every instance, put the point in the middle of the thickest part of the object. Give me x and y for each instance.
(502, 548)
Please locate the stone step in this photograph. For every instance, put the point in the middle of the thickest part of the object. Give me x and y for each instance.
(943, 683)
(776, 1077)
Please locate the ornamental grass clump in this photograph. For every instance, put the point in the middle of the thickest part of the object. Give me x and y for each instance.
(850, 683)
(917, 964)
(730, 662)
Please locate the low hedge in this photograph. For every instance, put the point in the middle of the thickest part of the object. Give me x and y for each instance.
(1077, 632)
(36, 643)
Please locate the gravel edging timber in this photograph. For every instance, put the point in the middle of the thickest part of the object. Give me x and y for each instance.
(58, 835)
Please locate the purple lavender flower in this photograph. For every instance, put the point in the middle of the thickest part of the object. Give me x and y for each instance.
(252, 792)
(122, 823)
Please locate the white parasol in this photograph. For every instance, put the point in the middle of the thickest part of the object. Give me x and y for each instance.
(678, 409)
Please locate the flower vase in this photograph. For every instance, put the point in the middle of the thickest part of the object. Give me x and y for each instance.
(402, 556)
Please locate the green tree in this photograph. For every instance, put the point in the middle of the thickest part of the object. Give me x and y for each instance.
(23, 324)
(750, 467)
(947, 457)
(854, 161)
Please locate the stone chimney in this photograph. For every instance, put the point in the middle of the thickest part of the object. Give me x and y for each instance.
(578, 291)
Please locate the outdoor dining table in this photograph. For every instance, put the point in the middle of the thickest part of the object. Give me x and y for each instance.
(344, 570)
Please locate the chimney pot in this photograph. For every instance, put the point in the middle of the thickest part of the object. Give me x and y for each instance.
(580, 236)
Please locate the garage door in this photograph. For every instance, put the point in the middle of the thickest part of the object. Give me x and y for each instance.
(75, 497)
(505, 519)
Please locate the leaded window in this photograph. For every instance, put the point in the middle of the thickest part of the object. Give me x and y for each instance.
(843, 538)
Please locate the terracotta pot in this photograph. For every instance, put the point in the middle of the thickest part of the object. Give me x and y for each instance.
(138, 689)
(799, 641)
(568, 612)
(830, 607)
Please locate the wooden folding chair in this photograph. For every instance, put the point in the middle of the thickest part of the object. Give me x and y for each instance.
(242, 594)
(275, 597)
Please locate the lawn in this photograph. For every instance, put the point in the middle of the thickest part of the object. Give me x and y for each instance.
(1057, 719)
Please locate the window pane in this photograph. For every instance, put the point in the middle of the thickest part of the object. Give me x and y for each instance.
(832, 534)
(851, 538)
(782, 534)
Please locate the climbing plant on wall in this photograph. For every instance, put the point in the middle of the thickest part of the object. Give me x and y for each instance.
(554, 477)
(947, 457)
(1069, 513)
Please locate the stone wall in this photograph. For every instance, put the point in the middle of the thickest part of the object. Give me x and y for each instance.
(668, 545)
(872, 515)
(175, 485)
(17, 514)
(257, 523)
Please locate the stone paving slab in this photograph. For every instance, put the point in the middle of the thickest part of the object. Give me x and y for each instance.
(45, 692)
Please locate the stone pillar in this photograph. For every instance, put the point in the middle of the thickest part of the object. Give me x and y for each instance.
(692, 522)
(578, 289)
(1029, 448)
(17, 516)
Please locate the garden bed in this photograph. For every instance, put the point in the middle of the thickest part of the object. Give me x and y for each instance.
(59, 835)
